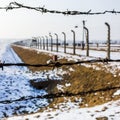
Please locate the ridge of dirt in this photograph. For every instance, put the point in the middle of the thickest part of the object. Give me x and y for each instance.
(99, 87)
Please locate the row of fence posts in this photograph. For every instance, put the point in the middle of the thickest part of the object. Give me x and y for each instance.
(41, 44)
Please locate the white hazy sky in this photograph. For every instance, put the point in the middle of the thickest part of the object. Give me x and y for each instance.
(23, 23)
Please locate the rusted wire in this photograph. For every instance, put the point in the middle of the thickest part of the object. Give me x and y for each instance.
(58, 64)
(16, 5)
(59, 94)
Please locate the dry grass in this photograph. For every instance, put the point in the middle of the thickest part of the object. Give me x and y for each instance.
(32, 57)
(98, 85)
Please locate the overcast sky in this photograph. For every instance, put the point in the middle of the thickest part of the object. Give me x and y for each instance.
(23, 23)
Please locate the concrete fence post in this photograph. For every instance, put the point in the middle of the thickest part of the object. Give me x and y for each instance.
(51, 42)
(40, 43)
(87, 41)
(108, 41)
(46, 43)
(43, 43)
(56, 42)
(74, 45)
(64, 42)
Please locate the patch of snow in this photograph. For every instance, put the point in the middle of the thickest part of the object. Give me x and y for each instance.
(60, 87)
(117, 93)
(67, 84)
(60, 71)
(71, 69)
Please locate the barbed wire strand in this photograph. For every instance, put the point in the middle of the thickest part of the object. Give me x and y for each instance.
(59, 94)
(58, 64)
(16, 5)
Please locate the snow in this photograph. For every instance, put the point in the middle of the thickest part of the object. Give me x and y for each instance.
(81, 55)
(67, 84)
(60, 87)
(71, 111)
(117, 92)
(71, 69)
(14, 85)
(92, 53)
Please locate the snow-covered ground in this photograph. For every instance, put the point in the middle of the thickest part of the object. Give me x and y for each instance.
(14, 84)
(71, 111)
(15, 88)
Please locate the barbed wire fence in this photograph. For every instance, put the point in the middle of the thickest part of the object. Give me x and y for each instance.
(16, 5)
(39, 43)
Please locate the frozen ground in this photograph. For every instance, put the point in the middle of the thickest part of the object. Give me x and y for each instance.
(15, 88)
(15, 85)
(71, 111)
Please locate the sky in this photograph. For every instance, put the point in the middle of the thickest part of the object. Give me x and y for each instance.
(23, 23)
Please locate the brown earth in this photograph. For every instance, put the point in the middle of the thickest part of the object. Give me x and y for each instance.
(95, 87)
